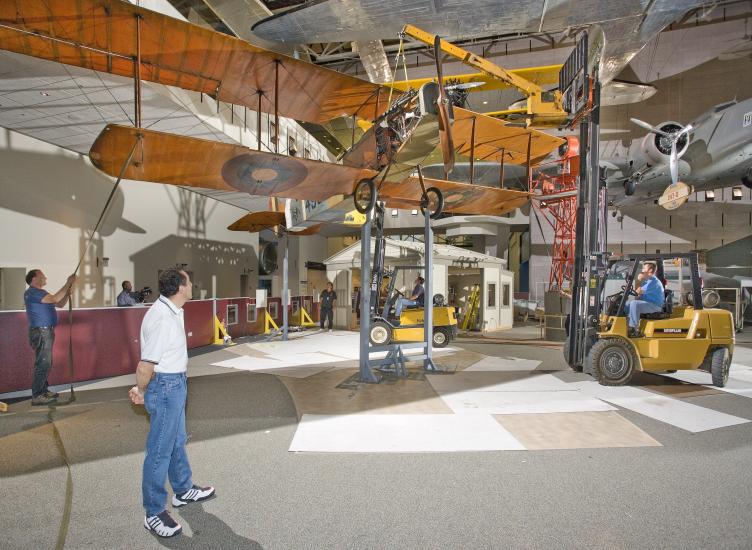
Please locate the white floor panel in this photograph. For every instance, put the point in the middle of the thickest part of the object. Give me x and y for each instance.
(401, 433)
(739, 383)
(487, 381)
(503, 364)
(681, 414)
(523, 402)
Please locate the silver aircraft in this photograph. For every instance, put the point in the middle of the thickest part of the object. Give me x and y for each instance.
(671, 162)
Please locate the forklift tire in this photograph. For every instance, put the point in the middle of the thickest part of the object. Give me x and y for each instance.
(380, 333)
(576, 368)
(440, 337)
(364, 196)
(720, 363)
(613, 361)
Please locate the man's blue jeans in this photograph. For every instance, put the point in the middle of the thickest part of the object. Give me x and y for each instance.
(41, 341)
(637, 307)
(165, 446)
(402, 303)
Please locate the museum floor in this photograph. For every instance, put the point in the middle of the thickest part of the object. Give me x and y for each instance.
(510, 450)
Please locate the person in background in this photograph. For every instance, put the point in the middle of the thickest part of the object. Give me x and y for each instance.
(415, 299)
(42, 317)
(328, 302)
(127, 297)
(161, 386)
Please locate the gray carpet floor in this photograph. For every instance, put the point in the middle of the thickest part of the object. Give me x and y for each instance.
(693, 492)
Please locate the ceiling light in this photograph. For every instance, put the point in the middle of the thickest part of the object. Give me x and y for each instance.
(709, 196)
(414, 212)
(736, 194)
(485, 103)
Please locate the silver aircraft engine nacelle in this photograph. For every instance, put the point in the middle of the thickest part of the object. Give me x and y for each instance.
(656, 149)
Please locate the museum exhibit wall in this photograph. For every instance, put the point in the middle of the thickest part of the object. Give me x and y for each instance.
(50, 200)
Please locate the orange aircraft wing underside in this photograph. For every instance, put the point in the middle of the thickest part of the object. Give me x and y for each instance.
(177, 160)
(102, 35)
(494, 137)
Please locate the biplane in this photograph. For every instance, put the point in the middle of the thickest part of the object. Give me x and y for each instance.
(405, 127)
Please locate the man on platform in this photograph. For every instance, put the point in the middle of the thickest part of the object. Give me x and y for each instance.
(42, 317)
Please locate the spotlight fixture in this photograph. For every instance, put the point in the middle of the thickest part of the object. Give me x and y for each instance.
(45, 94)
(736, 193)
(709, 195)
(543, 204)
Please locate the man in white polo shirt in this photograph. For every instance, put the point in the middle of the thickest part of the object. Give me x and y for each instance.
(161, 388)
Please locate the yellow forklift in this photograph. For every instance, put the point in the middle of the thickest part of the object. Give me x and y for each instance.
(384, 326)
(685, 335)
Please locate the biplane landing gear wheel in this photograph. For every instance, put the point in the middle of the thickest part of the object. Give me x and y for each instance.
(433, 201)
(630, 187)
(365, 196)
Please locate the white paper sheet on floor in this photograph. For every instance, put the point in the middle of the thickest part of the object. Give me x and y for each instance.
(401, 433)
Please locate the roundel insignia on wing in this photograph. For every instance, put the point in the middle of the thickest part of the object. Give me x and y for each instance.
(263, 174)
(457, 197)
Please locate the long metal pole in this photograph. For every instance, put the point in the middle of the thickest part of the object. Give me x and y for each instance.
(366, 375)
(276, 106)
(501, 169)
(285, 291)
(137, 77)
(428, 293)
(472, 152)
(258, 120)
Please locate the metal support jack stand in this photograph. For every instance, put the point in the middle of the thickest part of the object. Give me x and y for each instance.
(395, 360)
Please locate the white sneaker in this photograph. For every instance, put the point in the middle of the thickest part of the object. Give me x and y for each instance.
(163, 525)
(194, 494)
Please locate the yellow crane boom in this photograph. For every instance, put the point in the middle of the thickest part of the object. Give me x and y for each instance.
(539, 111)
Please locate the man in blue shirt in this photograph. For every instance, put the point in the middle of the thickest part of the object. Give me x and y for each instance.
(127, 297)
(415, 299)
(42, 316)
(650, 298)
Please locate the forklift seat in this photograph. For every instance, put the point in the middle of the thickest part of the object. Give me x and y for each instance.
(668, 308)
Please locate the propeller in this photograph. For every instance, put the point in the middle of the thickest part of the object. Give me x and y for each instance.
(673, 138)
(445, 123)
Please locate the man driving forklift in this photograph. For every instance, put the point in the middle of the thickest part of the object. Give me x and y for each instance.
(415, 299)
(650, 298)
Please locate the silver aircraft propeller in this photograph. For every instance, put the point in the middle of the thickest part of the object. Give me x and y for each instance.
(673, 137)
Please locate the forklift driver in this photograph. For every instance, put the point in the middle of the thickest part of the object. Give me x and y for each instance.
(416, 299)
(649, 299)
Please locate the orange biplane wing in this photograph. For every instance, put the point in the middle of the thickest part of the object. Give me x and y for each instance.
(178, 160)
(459, 198)
(104, 35)
(494, 137)
(256, 221)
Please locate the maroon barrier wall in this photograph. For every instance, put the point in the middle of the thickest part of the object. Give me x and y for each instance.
(106, 340)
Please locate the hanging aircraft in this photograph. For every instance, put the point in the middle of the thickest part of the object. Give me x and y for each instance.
(627, 26)
(120, 38)
(672, 161)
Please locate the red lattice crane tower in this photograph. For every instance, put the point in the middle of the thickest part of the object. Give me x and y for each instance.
(555, 184)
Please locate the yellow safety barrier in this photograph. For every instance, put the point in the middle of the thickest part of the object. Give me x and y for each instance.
(268, 323)
(305, 319)
(221, 336)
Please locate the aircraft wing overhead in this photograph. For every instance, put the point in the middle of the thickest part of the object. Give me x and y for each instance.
(178, 160)
(459, 198)
(492, 136)
(547, 75)
(256, 221)
(101, 35)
